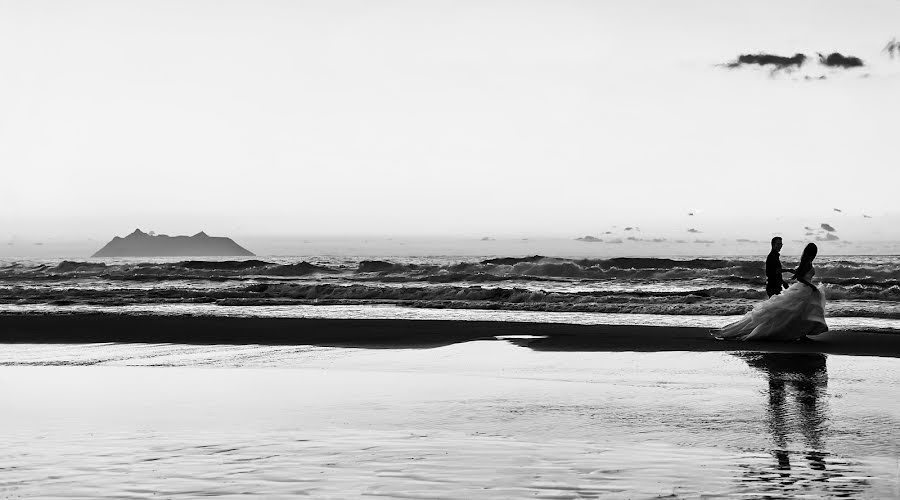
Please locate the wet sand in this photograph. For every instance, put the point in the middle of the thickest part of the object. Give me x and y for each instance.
(481, 419)
(102, 406)
(386, 333)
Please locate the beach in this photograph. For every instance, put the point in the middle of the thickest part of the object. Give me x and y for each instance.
(122, 406)
(396, 333)
(415, 377)
(476, 419)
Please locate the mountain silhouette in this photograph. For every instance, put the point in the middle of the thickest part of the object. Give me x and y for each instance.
(141, 244)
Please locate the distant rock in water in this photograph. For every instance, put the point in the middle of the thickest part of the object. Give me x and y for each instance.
(141, 244)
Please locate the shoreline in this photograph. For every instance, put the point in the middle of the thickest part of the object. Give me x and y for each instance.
(394, 334)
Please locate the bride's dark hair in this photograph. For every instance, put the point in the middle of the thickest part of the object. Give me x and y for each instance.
(809, 253)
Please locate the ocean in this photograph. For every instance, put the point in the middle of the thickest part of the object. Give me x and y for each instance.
(863, 292)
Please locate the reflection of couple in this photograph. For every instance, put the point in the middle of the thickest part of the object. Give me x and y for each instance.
(792, 315)
(797, 402)
(799, 421)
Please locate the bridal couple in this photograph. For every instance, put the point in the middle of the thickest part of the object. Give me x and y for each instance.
(793, 314)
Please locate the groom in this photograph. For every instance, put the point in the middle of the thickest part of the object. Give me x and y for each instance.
(774, 281)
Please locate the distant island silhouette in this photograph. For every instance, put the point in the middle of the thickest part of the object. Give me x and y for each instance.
(141, 244)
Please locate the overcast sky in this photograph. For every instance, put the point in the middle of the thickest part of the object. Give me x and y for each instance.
(560, 118)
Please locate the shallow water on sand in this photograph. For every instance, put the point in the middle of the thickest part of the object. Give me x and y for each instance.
(486, 419)
(883, 325)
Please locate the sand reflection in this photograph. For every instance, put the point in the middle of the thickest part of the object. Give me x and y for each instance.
(798, 420)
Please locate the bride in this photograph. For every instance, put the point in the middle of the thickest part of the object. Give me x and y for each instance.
(792, 315)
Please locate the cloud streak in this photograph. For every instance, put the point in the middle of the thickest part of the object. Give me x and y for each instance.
(778, 62)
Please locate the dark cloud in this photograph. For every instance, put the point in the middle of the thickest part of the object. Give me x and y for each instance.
(588, 239)
(828, 237)
(692, 230)
(838, 60)
(778, 62)
(658, 240)
(838, 210)
(704, 241)
(809, 234)
(808, 228)
(632, 238)
(867, 216)
(828, 227)
(745, 240)
(487, 238)
(617, 240)
(629, 228)
(690, 213)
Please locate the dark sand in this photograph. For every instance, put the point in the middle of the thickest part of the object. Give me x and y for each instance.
(378, 333)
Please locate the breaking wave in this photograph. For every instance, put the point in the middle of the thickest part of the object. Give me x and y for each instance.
(840, 272)
(863, 286)
(709, 301)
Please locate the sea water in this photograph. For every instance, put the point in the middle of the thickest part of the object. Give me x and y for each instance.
(483, 419)
(863, 292)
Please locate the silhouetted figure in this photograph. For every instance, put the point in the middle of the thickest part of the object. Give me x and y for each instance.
(774, 280)
(792, 315)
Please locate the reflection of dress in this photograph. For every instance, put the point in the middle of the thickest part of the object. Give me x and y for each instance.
(798, 311)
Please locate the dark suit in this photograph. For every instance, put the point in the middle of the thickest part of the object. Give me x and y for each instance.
(774, 281)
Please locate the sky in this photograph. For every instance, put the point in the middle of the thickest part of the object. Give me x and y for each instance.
(507, 119)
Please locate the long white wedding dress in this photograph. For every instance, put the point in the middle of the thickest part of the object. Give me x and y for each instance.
(793, 314)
